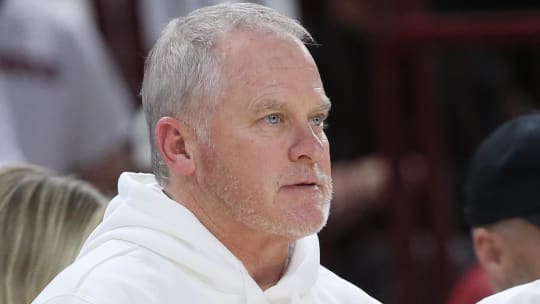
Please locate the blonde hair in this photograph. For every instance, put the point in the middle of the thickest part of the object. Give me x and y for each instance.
(44, 220)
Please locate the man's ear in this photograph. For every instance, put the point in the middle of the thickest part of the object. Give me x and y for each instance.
(490, 251)
(174, 139)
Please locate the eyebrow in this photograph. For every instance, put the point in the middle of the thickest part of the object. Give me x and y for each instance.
(267, 104)
(326, 104)
(273, 104)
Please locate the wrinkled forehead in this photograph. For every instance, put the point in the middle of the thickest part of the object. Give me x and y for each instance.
(249, 53)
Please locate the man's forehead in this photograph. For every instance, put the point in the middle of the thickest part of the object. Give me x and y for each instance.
(265, 63)
(239, 43)
(250, 56)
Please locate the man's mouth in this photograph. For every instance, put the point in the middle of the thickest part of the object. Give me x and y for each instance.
(304, 185)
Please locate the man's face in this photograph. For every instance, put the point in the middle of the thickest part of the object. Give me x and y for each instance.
(509, 252)
(267, 162)
(522, 263)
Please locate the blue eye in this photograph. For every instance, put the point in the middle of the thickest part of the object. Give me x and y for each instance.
(317, 120)
(273, 119)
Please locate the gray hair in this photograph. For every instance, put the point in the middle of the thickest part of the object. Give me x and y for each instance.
(182, 75)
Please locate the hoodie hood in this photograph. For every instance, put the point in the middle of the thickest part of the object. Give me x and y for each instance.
(142, 214)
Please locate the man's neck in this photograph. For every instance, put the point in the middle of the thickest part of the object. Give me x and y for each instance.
(265, 256)
(266, 263)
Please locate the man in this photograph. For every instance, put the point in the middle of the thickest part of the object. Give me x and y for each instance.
(502, 196)
(237, 109)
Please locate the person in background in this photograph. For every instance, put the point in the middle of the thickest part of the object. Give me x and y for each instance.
(9, 149)
(241, 183)
(44, 219)
(502, 206)
(70, 111)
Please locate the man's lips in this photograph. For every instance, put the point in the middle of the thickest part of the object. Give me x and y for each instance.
(303, 184)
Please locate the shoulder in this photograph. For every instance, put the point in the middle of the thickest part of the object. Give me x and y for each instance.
(338, 290)
(116, 272)
(523, 294)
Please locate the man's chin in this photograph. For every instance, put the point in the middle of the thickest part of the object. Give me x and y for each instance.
(308, 226)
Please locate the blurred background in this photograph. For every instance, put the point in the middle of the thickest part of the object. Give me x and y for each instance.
(415, 86)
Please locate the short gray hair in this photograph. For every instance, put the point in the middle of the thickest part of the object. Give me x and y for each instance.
(182, 71)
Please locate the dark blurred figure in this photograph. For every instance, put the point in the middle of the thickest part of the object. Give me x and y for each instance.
(484, 86)
(501, 196)
(483, 5)
(481, 86)
(354, 242)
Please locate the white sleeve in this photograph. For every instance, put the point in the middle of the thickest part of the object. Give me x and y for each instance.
(101, 102)
(9, 147)
(522, 294)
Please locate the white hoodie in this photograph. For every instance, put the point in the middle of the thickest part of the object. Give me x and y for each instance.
(522, 294)
(151, 249)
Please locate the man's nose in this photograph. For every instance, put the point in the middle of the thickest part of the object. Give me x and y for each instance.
(308, 144)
